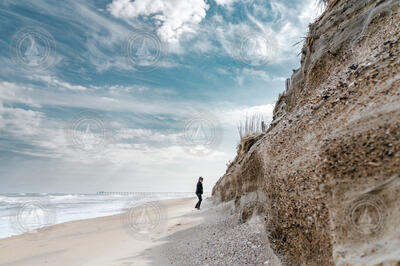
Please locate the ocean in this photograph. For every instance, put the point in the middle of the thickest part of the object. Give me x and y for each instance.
(24, 212)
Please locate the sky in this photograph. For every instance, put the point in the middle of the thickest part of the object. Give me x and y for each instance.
(143, 95)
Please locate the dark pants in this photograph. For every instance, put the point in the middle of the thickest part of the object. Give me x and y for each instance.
(199, 202)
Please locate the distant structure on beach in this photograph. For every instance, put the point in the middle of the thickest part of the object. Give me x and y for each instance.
(145, 194)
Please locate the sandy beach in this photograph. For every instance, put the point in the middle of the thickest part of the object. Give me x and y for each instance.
(185, 236)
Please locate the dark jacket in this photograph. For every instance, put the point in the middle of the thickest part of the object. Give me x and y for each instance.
(199, 188)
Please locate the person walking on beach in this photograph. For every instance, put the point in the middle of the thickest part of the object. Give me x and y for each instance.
(199, 192)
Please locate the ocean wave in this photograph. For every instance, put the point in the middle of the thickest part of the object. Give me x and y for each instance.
(72, 207)
(5, 199)
(64, 197)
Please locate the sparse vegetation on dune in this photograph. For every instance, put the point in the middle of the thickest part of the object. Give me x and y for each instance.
(249, 131)
(252, 125)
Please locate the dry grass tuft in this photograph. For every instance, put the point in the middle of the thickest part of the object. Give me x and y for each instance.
(250, 131)
(252, 125)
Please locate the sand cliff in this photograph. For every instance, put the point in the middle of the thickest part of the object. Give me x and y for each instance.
(327, 170)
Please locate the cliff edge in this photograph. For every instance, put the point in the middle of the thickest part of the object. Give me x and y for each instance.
(327, 170)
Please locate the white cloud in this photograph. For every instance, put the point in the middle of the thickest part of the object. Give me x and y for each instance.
(257, 73)
(20, 122)
(16, 93)
(202, 46)
(62, 85)
(118, 98)
(236, 115)
(141, 152)
(280, 34)
(292, 26)
(139, 134)
(1, 115)
(116, 89)
(146, 159)
(249, 74)
(225, 2)
(174, 17)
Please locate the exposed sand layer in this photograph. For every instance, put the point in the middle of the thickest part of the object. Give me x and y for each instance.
(327, 170)
(212, 236)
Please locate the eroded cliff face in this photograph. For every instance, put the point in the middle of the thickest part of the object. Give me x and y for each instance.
(328, 168)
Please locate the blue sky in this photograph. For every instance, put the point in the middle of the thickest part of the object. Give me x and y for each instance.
(111, 95)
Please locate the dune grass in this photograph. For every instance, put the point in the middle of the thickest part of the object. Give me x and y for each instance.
(252, 125)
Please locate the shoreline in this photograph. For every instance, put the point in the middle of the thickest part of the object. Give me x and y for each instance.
(75, 207)
(94, 241)
(186, 235)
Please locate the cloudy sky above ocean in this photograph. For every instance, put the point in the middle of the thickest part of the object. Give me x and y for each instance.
(143, 95)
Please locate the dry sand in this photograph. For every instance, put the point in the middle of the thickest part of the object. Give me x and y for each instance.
(212, 236)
